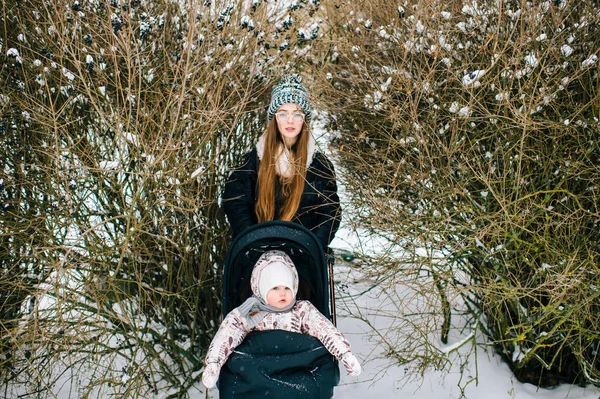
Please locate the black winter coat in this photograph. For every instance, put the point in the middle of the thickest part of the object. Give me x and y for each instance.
(319, 209)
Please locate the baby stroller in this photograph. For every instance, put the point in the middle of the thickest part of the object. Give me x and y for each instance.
(277, 363)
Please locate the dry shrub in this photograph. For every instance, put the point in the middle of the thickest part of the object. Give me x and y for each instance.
(119, 123)
(469, 138)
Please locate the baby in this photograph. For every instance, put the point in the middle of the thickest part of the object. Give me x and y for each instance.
(273, 306)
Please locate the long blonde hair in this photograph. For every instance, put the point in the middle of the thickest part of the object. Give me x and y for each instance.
(293, 186)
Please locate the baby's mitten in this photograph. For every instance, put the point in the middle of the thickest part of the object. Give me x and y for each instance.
(211, 375)
(351, 364)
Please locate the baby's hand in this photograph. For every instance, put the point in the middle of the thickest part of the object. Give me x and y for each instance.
(351, 364)
(211, 375)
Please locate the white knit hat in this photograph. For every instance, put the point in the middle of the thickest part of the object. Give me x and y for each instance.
(273, 268)
(274, 275)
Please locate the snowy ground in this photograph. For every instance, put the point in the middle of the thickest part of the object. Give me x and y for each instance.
(495, 381)
(384, 381)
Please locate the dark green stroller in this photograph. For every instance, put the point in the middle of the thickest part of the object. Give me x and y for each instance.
(276, 363)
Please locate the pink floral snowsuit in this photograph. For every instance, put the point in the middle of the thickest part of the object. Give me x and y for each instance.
(303, 318)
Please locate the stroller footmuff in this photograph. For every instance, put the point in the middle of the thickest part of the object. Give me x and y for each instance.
(277, 363)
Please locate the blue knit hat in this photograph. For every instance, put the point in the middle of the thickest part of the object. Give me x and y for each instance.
(290, 91)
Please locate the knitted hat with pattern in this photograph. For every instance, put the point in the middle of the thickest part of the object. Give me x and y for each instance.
(290, 91)
(273, 268)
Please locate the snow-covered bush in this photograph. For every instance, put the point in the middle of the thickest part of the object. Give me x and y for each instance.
(469, 138)
(119, 121)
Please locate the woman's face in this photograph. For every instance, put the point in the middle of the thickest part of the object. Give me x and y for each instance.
(290, 124)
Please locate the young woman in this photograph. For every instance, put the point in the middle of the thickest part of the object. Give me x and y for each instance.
(285, 177)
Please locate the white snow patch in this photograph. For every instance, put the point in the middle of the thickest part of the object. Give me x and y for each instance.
(384, 86)
(13, 52)
(68, 74)
(420, 27)
(590, 61)
(501, 96)
(472, 77)
(108, 165)
(519, 353)
(464, 111)
(545, 6)
(197, 172)
(149, 75)
(566, 50)
(132, 138)
(531, 60)
(470, 9)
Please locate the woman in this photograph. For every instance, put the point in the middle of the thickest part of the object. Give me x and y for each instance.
(285, 177)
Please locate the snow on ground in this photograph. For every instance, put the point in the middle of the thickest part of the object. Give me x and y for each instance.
(384, 381)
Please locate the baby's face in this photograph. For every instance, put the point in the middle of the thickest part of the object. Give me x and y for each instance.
(280, 296)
